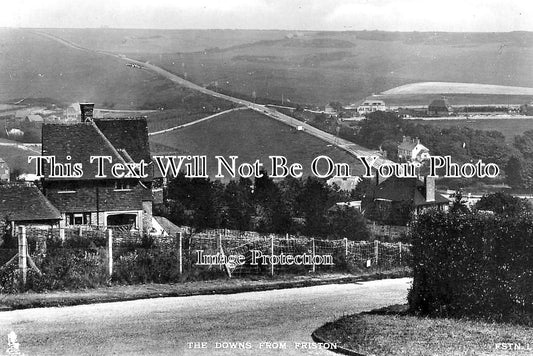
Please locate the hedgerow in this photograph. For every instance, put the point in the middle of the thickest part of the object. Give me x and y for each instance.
(473, 265)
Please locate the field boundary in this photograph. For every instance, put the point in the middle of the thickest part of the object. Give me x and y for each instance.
(195, 121)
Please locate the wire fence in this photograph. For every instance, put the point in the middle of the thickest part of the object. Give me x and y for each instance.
(45, 257)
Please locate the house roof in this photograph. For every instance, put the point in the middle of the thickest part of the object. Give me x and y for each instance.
(125, 140)
(406, 189)
(25, 202)
(407, 144)
(167, 225)
(439, 104)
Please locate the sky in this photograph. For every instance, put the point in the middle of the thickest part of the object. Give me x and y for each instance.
(331, 15)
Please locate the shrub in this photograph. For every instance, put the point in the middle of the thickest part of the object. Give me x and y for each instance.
(63, 268)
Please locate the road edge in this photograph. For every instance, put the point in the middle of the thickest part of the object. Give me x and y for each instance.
(40, 300)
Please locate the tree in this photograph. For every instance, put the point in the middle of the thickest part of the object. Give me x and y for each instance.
(503, 204)
(346, 222)
(514, 172)
(459, 204)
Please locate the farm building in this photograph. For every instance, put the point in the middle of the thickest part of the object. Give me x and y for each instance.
(439, 107)
(369, 106)
(106, 200)
(412, 150)
(4, 171)
(24, 204)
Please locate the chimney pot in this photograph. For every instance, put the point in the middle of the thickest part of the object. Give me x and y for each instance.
(87, 110)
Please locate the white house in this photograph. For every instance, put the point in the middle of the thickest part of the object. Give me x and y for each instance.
(412, 150)
(369, 106)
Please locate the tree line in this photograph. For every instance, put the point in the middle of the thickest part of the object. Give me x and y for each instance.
(295, 206)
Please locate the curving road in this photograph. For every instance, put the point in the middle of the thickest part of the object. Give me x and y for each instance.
(350, 147)
(171, 326)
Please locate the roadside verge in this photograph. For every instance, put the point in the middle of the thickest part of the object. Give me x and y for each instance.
(118, 293)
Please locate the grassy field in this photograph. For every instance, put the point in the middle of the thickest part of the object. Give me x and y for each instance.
(317, 68)
(508, 127)
(250, 136)
(303, 67)
(414, 336)
(17, 158)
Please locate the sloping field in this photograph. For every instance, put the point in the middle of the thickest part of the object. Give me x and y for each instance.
(33, 66)
(250, 136)
(16, 157)
(458, 88)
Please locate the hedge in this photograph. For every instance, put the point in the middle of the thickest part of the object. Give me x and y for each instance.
(473, 265)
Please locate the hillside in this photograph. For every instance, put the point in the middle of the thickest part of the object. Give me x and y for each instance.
(317, 68)
(302, 67)
(37, 67)
(250, 136)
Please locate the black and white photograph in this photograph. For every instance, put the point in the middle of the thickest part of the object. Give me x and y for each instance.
(266, 177)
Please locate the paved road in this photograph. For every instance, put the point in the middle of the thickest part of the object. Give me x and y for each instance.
(165, 326)
(350, 147)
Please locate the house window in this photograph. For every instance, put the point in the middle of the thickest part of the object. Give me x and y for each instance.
(123, 185)
(67, 187)
(78, 218)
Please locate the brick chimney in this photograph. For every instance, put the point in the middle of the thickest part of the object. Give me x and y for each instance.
(86, 111)
(429, 182)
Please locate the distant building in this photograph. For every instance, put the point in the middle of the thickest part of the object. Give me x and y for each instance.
(345, 184)
(330, 110)
(369, 106)
(412, 150)
(439, 107)
(15, 133)
(34, 118)
(4, 171)
(73, 112)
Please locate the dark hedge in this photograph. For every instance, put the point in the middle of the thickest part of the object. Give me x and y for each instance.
(474, 265)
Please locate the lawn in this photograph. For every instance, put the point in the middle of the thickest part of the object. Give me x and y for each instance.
(415, 336)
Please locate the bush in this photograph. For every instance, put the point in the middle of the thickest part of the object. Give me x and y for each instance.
(146, 266)
(473, 265)
(63, 268)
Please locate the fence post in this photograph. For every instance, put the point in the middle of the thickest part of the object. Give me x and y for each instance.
(313, 241)
(346, 248)
(23, 253)
(219, 248)
(180, 237)
(272, 254)
(62, 234)
(376, 251)
(109, 252)
(400, 246)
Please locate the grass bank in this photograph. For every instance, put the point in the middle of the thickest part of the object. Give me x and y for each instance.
(400, 334)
